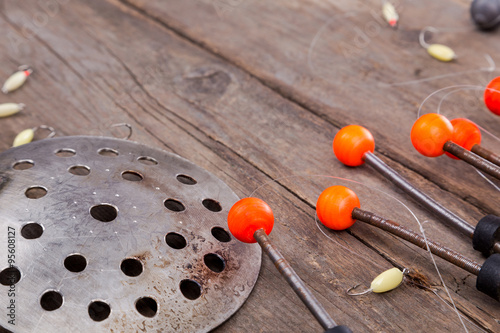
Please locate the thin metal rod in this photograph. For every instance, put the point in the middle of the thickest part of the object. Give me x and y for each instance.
(433, 206)
(414, 238)
(473, 159)
(294, 280)
(486, 154)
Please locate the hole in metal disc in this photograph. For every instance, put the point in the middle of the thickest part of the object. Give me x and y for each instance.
(79, 170)
(35, 192)
(23, 165)
(9, 276)
(190, 289)
(132, 176)
(214, 262)
(131, 267)
(108, 152)
(174, 205)
(221, 235)
(75, 263)
(104, 212)
(146, 306)
(147, 160)
(185, 179)
(212, 205)
(99, 310)
(51, 300)
(175, 241)
(65, 152)
(32, 231)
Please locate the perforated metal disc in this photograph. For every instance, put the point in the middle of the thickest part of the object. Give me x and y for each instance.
(113, 236)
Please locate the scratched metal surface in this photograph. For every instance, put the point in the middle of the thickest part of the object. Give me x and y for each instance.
(138, 232)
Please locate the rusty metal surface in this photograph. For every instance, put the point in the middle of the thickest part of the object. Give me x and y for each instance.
(409, 235)
(300, 288)
(473, 159)
(91, 186)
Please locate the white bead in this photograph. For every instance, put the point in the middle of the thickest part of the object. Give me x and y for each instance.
(8, 109)
(389, 13)
(387, 280)
(441, 52)
(14, 81)
(24, 137)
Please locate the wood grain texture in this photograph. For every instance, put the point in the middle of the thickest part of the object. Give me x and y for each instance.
(239, 91)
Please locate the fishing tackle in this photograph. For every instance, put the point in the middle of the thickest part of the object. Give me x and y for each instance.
(340, 202)
(9, 109)
(432, 136)
(390, 15)
(438, 51)
(485, 13)
(384, 282)
(17, 79)
(251, 220)
(353, 145)
(492, 96)
(27, 135)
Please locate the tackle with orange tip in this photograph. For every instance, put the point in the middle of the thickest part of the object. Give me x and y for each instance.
(467, 134)
(432, 135)
(488, 275)
(429, 134)
(483, 236)
(251, 220)
(492, 96)
(335, 205)
(247, 216)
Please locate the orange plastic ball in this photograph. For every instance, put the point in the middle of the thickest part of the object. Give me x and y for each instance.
(352, 143)
(247, 216)
(334, 207)
(465, 134)
(492, 96)
(429, 134)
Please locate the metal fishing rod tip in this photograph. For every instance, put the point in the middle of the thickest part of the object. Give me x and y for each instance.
(351, 144)
(429, 134)
(466, 134)
(334, 207)
(492, 96)
(247, 216)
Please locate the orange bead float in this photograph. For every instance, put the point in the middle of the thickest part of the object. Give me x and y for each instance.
(352, 143)
(334, 207)
(247, 216)
(466, 134)
(429, 134)
(492, 96)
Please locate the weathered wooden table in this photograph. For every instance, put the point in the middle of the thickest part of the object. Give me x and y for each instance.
(254, 91)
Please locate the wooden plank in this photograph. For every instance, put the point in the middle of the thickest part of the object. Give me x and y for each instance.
(104, 63)
(337, 60)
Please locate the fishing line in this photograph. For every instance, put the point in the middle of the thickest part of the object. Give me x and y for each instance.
(421, 228)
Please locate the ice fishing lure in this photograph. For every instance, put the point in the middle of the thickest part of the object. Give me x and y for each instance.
(437, 51)
(9, 109)
(27, 135)
(390, 15)
(16, 80)
(384, 282)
